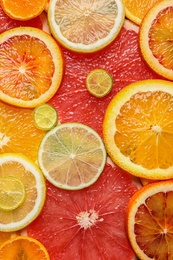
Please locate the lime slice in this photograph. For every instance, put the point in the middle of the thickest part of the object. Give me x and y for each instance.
(12, 193)
(72, 156)
(99, 82)
(45, 117)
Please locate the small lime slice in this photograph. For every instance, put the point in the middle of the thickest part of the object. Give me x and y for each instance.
(99, 82)
(45, 117)
(72, 156)
(12, 193)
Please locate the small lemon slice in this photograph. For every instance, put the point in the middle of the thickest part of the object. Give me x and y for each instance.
(45, 117)
(12, 193)
(99, 82)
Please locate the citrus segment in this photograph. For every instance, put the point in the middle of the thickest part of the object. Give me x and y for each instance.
(149, 221)
(31, 66)
(23, 247)
(45, 117)
(25, 10)
(18, 133)
(12, 193)
(89, 223)
(72, 156)
(99, 82)
(136, 9)
(156, 38)
(20, 167)
(138, 130)
(85, 27)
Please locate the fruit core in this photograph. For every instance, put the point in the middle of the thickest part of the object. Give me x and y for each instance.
(3, 140)
(87, 219)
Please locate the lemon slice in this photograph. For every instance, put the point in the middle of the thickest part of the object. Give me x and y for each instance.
(72, 156)
(12, 193)
(85, 26)
(45, 117)
(99, 82)
(24, 190)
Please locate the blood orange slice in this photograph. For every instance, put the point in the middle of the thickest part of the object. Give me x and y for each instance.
(87, 224)
(123, 62)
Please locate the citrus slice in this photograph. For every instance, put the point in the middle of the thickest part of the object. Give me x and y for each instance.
(136, 9)
(31, 66)
(99, 82)
(89, 223)
(23, 10)
(23, 247)
(72, 156)
(12, 193)
(18, 133)
(45, 117)
(85, 27)
(20, 167)
(149, 221)
(156, 38)
(138, 129)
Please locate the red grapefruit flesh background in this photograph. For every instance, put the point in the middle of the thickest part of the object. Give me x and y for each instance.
(122, 59)
(57, 227)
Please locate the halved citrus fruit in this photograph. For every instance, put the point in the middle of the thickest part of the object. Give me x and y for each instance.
(45, 117)
(156, 38)
(136, 9)
(26, 172)
(89, 223)
(72, 156)
(23, 247)
(31, 66)
(149, 221)
(23, 10)
(18, 133)
(99, 82)
(85, 26)
(12, 193)
(138, 129)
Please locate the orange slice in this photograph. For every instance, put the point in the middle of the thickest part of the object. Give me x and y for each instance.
(23, 209)
(23, 247)
(149, 221)
(85, 26)
(31, 67)
(18, 133)
(156, 38)
(136, 9)
(23, 10)
(138, 129)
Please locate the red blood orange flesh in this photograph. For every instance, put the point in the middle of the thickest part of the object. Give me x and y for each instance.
(122, 60)
(89, 223)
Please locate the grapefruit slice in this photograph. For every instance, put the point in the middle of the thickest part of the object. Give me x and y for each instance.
(89, 223)
(123, 62)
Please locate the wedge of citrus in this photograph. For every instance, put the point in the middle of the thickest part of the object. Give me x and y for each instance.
(89, 223)
(136, 9)
(85, 26)
(23, 10)
(99, 82)
(156, 38)
(23, 247)
(18, 133)
(138, 129)
(149, 221)
(72, 156)
(25, 208)
(31, 66)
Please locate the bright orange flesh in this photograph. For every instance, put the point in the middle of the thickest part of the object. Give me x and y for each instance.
(22, 247)
(23, 10)
(17, 131)
(150, 221)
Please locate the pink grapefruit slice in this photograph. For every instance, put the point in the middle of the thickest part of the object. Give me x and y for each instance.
(87, 224)
(123, 62)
